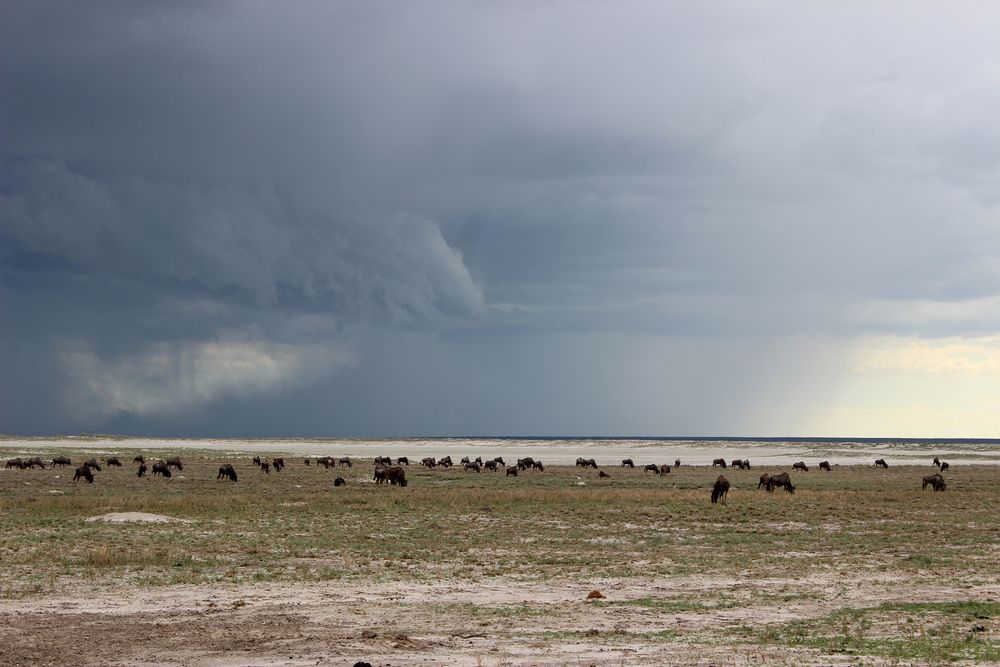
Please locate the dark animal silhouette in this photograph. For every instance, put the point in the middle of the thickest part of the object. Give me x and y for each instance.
(800, 466)
(825, 465)
(603, 474)
(61, 461)
(395, 476)
(491, 465)
(307, 462)
(936, 481)
(736, 463)
(339, 481)
(500, 460)
(880, 463)
(763, 481)
(256, 460)
(403, 461)
(652, 467)
(113, 461)
(445, 462)
(15, 463)
(677, 463)
(511, 471)
(175, 463)
(92, 463)
(265, 466)
(160, 468)
(228, 472)
(473, 466)
(664, 469)
(141, 471)
(720, 490)
(781, 480)
(34, 462)
(525, 463)
(590, 463)
(139, 459)
(383, 460)
(278, 464)
(428, 461)
(379, 476)
(746, 464)
(627, 463)
(85, 473)
(537, 465)
(325, 461)
(944, 466)
(719, 462)
(345, 461)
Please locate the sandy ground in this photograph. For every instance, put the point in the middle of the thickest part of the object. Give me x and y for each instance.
(333, 623)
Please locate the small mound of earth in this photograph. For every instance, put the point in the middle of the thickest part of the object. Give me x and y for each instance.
(138, 517)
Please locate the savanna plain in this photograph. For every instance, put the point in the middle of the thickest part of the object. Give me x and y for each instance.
(860, 566)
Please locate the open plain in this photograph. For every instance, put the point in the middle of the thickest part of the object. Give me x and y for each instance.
(858, 566)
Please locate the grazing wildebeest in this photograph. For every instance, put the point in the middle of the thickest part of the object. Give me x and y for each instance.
(402, 460)
(160, 468)
(720, 490)
(537, 465)
(763, 481)
(383, 460)
(428, 461)
(491, 465)
(227, 471)
(340, 481)
(379, 476)
(936, 481)
(664, 469)
(944, 466)
(278, 464)
(15, 463)
(256, 460)
(880, 463)
(308, 462)
(346, 461)
(511, 471)
(825, 465)
(581, 462)
(61, 461)
(800, 465)
(265, 466)
(737, 463)
(652, 467)
(603, 474)
(677, 463)
(92, 463)
(35, 461)
(525, 463)
(113, 461)
(719, 462)
(138, 459)
(746, 464)
(396, 476)
(782, 480)
(325, 461)
(590, 463)
(500, 460)
(141, 471)
(445, 462)
(627, 463)
(84, 472)
(175, 463)
(473, 466)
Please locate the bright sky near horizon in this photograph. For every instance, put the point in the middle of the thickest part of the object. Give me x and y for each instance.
(513, 218)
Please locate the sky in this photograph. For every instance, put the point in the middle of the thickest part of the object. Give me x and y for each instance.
(500, 218)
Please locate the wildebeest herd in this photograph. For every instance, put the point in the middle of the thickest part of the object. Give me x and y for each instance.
(395, 474)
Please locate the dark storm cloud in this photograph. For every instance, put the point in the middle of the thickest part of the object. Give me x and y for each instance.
(216, 205)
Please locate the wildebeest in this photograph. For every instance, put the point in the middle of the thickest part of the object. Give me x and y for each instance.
(265, 466)
(428, 461)
(652, 467)
(491, 465)
(737, 463)
(61, 461)
(92, 463)
(33, 462)
(84, 472)
(800, 465)
(500, 460)
(346, 461)
(256, 460)
(627, 463)
(677, 463)
(395, 476)
(527, 462)
(175, 463)
(537, 465)
(825, 465)
(720, 490)
(227, 471)
(15, 463)
(664, 469)
(445, 462)
(944, 466)
(402, 460)
(746, 464)
(379, 476)
(589, 463)
(160, 468)
(278, 464)
(141, 471)
(325, 461)
(138, 459)
(113, 461)
(719, 462)
(936, 481)
(473, 466)
(940, 464)
(383, 460)
(763, 481)
(880, 463)
(511, 471)
(603, 474)
(307, 462)
(340, 481)
(782, 480)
